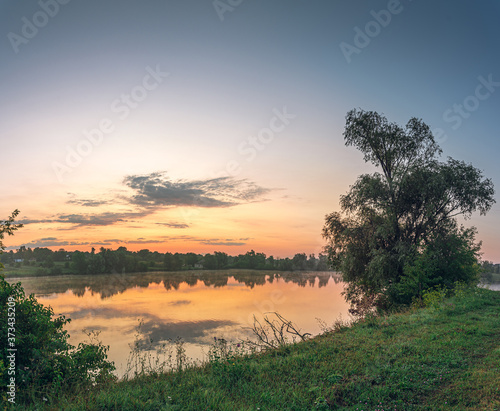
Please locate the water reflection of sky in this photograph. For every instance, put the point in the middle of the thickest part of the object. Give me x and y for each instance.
(196, 306)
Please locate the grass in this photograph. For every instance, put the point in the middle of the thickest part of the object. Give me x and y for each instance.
(12, 270)
(444, 357)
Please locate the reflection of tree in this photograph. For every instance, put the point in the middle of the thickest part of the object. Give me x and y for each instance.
(107, 285)
(251, 278)
(324, 278)
(79, 291)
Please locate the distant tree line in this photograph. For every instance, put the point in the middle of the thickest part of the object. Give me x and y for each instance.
(489, 267)
(122, 260)
(488, 270)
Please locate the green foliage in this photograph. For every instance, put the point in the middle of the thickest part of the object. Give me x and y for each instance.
(447, 259)
(397, 233)
(223, 351)
(434, 297)
(253, 260)
(8, 227)
(79, 262)
(45, 363)
(299, 262)
(172, 262)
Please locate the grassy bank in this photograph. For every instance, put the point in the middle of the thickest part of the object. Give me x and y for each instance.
(442, 357)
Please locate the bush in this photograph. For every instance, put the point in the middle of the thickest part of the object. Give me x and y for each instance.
(433, 298)
(142, 266)
(56, 270)
(46, 363)
(446, 260)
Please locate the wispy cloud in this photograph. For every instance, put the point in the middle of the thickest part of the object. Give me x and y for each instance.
(88, 203)
(208, 241)
(100, 219)
(88, 219)
(174, 225)
(54, 242)
(27, 221)
(144, 242)
(226, 243)
(157, 189)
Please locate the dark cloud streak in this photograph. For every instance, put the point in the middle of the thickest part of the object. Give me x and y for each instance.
(156, 189)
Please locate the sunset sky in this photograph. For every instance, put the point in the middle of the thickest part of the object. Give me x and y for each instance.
(217, 125)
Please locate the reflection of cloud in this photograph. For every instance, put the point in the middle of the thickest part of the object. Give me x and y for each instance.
(156, 189)
(159, 330)
(106, 312)
(180, 302)
(155, 328)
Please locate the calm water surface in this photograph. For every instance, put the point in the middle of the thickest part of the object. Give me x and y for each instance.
(195, 306)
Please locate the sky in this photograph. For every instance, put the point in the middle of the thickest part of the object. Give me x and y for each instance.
(217, 125)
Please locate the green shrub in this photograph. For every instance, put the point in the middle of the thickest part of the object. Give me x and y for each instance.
(56, 270)
(46, 364)
(447, 260)
(434, 297)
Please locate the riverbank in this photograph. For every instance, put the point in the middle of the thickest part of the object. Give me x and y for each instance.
(442, 357)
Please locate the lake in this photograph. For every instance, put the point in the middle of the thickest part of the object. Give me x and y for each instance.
(193, 305)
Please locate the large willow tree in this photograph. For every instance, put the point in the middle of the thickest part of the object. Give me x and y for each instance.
(397, 232)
